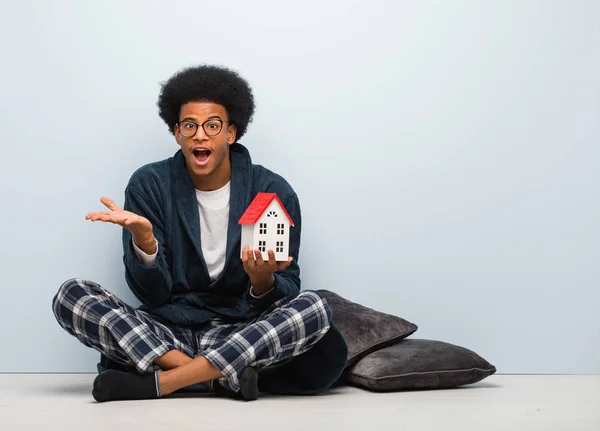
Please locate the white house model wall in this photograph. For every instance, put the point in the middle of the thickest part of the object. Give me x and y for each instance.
(270, 232)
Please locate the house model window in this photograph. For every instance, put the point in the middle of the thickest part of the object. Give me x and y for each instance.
(265, 226)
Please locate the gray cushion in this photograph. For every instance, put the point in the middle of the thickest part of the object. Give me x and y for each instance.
(419, 364)
(365, 330)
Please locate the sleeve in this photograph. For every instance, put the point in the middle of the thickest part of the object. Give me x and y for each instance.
(287, 282)
(147, 259)
(152, 283)
(259, 296)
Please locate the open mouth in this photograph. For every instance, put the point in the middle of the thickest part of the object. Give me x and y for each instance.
(201, 155)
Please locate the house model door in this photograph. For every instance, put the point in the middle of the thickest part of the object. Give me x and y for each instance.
(275, 238)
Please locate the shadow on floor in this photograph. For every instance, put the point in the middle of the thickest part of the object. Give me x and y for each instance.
(85, 389)
(69, 389)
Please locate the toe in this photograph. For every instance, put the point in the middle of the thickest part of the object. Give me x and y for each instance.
(97, 389)
(249, 384)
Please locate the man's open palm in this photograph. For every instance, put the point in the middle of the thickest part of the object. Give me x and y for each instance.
(137, 225)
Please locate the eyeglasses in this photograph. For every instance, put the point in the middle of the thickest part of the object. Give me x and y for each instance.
(211, 127)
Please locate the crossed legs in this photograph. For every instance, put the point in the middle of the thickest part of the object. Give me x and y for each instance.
(164, 357)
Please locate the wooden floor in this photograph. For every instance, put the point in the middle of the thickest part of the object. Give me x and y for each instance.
(501, 402)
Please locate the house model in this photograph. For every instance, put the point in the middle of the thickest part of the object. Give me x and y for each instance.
(266, 226)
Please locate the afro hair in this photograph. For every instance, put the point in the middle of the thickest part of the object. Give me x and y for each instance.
(207, 83)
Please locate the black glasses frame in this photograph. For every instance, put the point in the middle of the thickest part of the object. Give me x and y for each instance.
(201, 125)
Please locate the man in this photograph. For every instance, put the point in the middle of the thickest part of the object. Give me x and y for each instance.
(236, 325)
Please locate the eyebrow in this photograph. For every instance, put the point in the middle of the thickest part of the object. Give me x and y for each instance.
(212, 117)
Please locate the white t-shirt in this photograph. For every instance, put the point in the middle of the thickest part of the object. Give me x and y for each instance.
(214, 218)
(213, 207)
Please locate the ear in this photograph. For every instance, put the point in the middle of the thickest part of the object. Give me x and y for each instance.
(231, 134)
(177, 135)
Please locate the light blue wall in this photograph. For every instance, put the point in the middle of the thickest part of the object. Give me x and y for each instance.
(446, 155)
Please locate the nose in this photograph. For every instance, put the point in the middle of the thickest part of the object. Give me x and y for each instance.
(200, 134)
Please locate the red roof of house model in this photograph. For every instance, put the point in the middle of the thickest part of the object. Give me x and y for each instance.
(258, 206)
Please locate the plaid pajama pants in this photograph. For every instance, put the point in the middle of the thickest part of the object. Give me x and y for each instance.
(133, 337)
